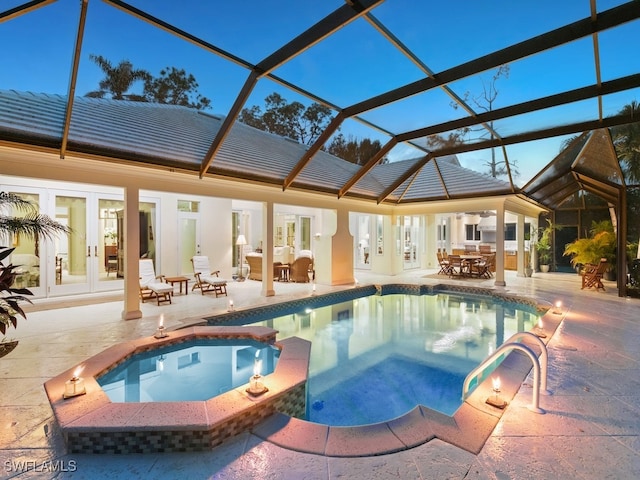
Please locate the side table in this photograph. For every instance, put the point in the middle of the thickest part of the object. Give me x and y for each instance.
(180, 281)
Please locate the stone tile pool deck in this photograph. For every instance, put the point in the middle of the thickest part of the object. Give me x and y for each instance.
(590, 429)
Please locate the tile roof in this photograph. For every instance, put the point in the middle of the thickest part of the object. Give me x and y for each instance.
(179, 137)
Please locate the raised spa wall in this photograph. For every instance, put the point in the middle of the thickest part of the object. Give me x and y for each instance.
(92, 423)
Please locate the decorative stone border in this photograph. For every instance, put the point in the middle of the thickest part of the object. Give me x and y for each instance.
(266, 312)
(91, 423)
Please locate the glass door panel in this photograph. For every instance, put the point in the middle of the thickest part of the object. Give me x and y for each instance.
(72, 253)
(411, 226)
(363, 240)
(108, 269)
(188, 241)
(28, 253)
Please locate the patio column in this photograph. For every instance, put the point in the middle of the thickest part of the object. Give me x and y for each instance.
(267, 250)
(522, 248)
(131, 254)
(500, 247)
(342, 250)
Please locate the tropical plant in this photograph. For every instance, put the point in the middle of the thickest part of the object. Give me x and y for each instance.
(601, 243)
(626, 139)
(10, 304)
(544, 243)
(174, 86)
(31, 225)
(118, 80)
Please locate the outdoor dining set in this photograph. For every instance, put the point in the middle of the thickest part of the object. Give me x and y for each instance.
(473, 265)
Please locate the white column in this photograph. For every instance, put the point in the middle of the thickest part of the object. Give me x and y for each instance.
(522, 249)
(342, 250)
(267, 250)
(500, 247)
(131, 254)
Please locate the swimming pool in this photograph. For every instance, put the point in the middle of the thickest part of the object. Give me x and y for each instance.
(375, 358)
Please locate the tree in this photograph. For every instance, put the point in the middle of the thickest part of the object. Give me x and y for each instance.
(118, 80)
(175, 87)
(484, 101)
(354, 150)
(626, 139)
(290, 120)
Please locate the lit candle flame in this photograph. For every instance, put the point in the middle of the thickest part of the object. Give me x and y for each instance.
(496, 384)
(257, 367)
(78, 371)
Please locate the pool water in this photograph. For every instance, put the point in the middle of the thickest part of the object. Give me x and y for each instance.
(189, 371)
(376, 358)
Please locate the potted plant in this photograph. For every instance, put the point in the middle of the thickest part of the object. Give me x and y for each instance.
(9, 302)
(528, 268)
(31, 225)
(601, 243)
(544, 246)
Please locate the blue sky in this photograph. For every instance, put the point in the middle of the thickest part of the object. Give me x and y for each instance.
(355, 63)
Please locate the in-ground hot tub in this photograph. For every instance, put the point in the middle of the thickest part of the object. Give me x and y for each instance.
(94, 423)
(192, 370)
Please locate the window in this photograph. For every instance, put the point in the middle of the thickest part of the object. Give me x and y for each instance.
(510, 230)
(472, 231)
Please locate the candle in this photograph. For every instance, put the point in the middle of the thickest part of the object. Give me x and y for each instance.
(231, 305)
(161, 321)
(74, 386)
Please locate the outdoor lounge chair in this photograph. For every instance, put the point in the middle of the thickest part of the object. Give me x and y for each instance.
(592, 275)
(152, 286)
(207, 280)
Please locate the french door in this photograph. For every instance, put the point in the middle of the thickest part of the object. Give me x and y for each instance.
(411, 237)
(188, 240)
(362, 252)
(87, 259)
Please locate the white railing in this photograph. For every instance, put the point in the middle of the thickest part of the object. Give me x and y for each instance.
(539, 373)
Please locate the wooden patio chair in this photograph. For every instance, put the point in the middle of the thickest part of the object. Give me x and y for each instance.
(151, 285)
(207, 280)
(592, 275)
(482, 268)
(445, 266)
(455, 262)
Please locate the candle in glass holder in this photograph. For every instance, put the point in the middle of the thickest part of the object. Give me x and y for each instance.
(75, 385)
